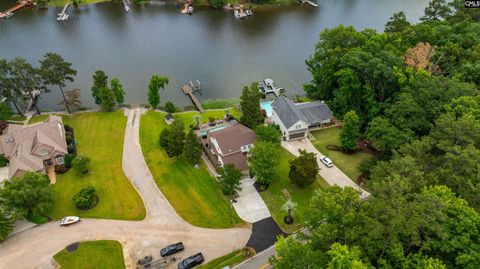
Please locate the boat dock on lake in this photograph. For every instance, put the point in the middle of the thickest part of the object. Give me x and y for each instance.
(309, 2)
(268, 86)
(9, 13)
(189, 89)
(63, 16)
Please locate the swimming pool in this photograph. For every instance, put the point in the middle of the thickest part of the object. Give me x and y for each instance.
(267, 106)
(214, 129)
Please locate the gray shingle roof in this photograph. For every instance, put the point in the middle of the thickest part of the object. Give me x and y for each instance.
(287, 111)
(311, 113)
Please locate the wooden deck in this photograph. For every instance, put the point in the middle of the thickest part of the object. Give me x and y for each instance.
(188, 90)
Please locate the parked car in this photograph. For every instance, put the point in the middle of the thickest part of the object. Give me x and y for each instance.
(191, 261)
(145, 260)
(326, 161)
(69, 220)
(171, 249)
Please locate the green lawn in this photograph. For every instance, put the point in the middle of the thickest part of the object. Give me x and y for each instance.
(18, 118)
(348, 163)
(230, 259)
(194, 194)
(219, 103)
(100, 137)
(187, 117)
(282, 189)
(93, 255)
(38, 118)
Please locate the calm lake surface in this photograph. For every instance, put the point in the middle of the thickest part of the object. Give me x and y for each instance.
(212, 46)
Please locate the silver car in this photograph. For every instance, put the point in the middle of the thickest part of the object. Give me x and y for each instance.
(326, 161)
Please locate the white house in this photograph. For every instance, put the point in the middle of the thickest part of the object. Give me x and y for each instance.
(295, 120)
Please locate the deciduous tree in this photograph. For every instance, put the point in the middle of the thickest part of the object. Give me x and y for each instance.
(192, 150)
(303, 169)
(264, 161)
(118, 90)
(100, 81)
(270, 133)
(106, 98)
(229, 179)
(156, 83)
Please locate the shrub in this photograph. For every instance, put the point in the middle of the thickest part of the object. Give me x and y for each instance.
(86, 198)
(80, 163)
(3, 161)
(303, 169)
(68, 158)
(170, 107)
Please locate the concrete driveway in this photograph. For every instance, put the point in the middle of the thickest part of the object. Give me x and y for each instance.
(35, 247)
(250, 206)
(332, 175)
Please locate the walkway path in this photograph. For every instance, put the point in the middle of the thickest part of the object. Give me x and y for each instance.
(34, 248)
(332, 175)
(250, 206)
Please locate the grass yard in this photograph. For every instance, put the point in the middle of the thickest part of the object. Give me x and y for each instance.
(187, 117)
(100, 137)
(38, 118)
(348, 163)
(282, 189)
(230, 259)
(18, 118)
(194, 194)
(220, 103)
(93, 255)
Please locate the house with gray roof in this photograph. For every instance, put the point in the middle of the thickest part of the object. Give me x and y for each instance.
(295, 120)
(34, 147)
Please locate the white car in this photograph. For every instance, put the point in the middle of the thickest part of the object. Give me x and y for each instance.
(326, 161)
(69, 220)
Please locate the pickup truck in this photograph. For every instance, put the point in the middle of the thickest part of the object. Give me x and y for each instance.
(191, 261)
(171, 249)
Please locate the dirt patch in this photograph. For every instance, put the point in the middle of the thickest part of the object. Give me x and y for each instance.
(366, 147)
(72, 247)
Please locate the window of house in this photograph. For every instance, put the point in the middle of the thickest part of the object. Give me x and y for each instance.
(60, 160)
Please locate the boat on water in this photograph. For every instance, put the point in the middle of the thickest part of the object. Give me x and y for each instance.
(127, 8)
(69, 220)
(249, 12)
(239, 14)
(62, 17)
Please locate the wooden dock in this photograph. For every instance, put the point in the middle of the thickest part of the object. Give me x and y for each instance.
(309, 2)
(188, 90)
(18, 6)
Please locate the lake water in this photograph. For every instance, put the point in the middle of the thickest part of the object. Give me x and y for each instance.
(212, 46)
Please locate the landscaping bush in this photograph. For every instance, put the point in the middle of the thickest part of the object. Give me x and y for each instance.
(86, 198)
(80, 163)
(303, 169)
(170, 107)
(68, 158)
(3, 161)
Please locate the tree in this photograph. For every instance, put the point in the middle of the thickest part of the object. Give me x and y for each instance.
(156, 82)
(5, 111)
(436, 10)
(173, 139)
(192, 150)
(250, 104)
(86, 198)
(303, 169)
(81, 163)
(270, 133)
(106, 98)
(7, 219)
(29, 195)
(170, 107)
(216, 3)
(117, 90)
(73, 100)
(264, 161)
(56, 71)
(397, 23)
(229, 179)
(342, 257)
(27, 80)
(350, 131)
(7, 88)
(100, 81)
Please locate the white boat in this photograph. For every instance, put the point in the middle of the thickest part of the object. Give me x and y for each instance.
(7, 15)
(69, 220)
(62, 17)
(127, 8)
(239, 14)
(249, 12)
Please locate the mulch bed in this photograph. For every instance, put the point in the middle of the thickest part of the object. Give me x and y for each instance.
(264, 234)
(72, 247)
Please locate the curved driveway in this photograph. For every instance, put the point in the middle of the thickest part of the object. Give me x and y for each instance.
(35, 247)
